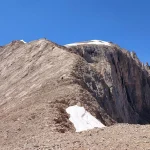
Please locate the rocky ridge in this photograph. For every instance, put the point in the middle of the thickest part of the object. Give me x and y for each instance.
(40, 79)
(125, 96)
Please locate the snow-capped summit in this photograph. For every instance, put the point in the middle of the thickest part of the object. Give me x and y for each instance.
(96, 42)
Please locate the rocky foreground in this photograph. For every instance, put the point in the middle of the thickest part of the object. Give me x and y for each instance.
(117, 137)
(40, 79)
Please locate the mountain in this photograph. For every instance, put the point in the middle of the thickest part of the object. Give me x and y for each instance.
(124, 88)
(39, 80)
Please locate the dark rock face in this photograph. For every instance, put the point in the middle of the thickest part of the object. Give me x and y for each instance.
(124, 85)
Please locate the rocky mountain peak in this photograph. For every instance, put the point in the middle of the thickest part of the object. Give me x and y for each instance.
(40, 79)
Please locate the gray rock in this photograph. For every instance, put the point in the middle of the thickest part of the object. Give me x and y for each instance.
(125, 94)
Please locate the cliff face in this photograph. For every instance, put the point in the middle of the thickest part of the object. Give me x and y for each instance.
(125, 95)
(40, 79)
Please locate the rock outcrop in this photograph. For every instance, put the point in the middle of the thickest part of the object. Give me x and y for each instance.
(40, 79)
(125, 94)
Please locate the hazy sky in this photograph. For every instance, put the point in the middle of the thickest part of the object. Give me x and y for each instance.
(125, 22)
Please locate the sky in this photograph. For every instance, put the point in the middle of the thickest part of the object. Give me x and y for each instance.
(124, 22)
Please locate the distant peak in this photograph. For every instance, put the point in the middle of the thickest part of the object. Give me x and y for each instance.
(95, 42)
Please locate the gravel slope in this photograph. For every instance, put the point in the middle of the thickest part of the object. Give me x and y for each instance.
(117, 137)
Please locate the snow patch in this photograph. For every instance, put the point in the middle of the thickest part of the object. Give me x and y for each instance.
(96, 42)
(82, 120)
(23, 41)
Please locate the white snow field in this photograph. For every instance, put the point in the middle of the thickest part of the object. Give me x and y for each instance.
(82, 120)
(23, 41)
(97, 42)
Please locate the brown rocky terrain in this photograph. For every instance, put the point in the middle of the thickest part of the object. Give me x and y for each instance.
(40, 79)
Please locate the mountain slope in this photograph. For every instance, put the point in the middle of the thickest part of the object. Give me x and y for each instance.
(127, 92)
(40, 79)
